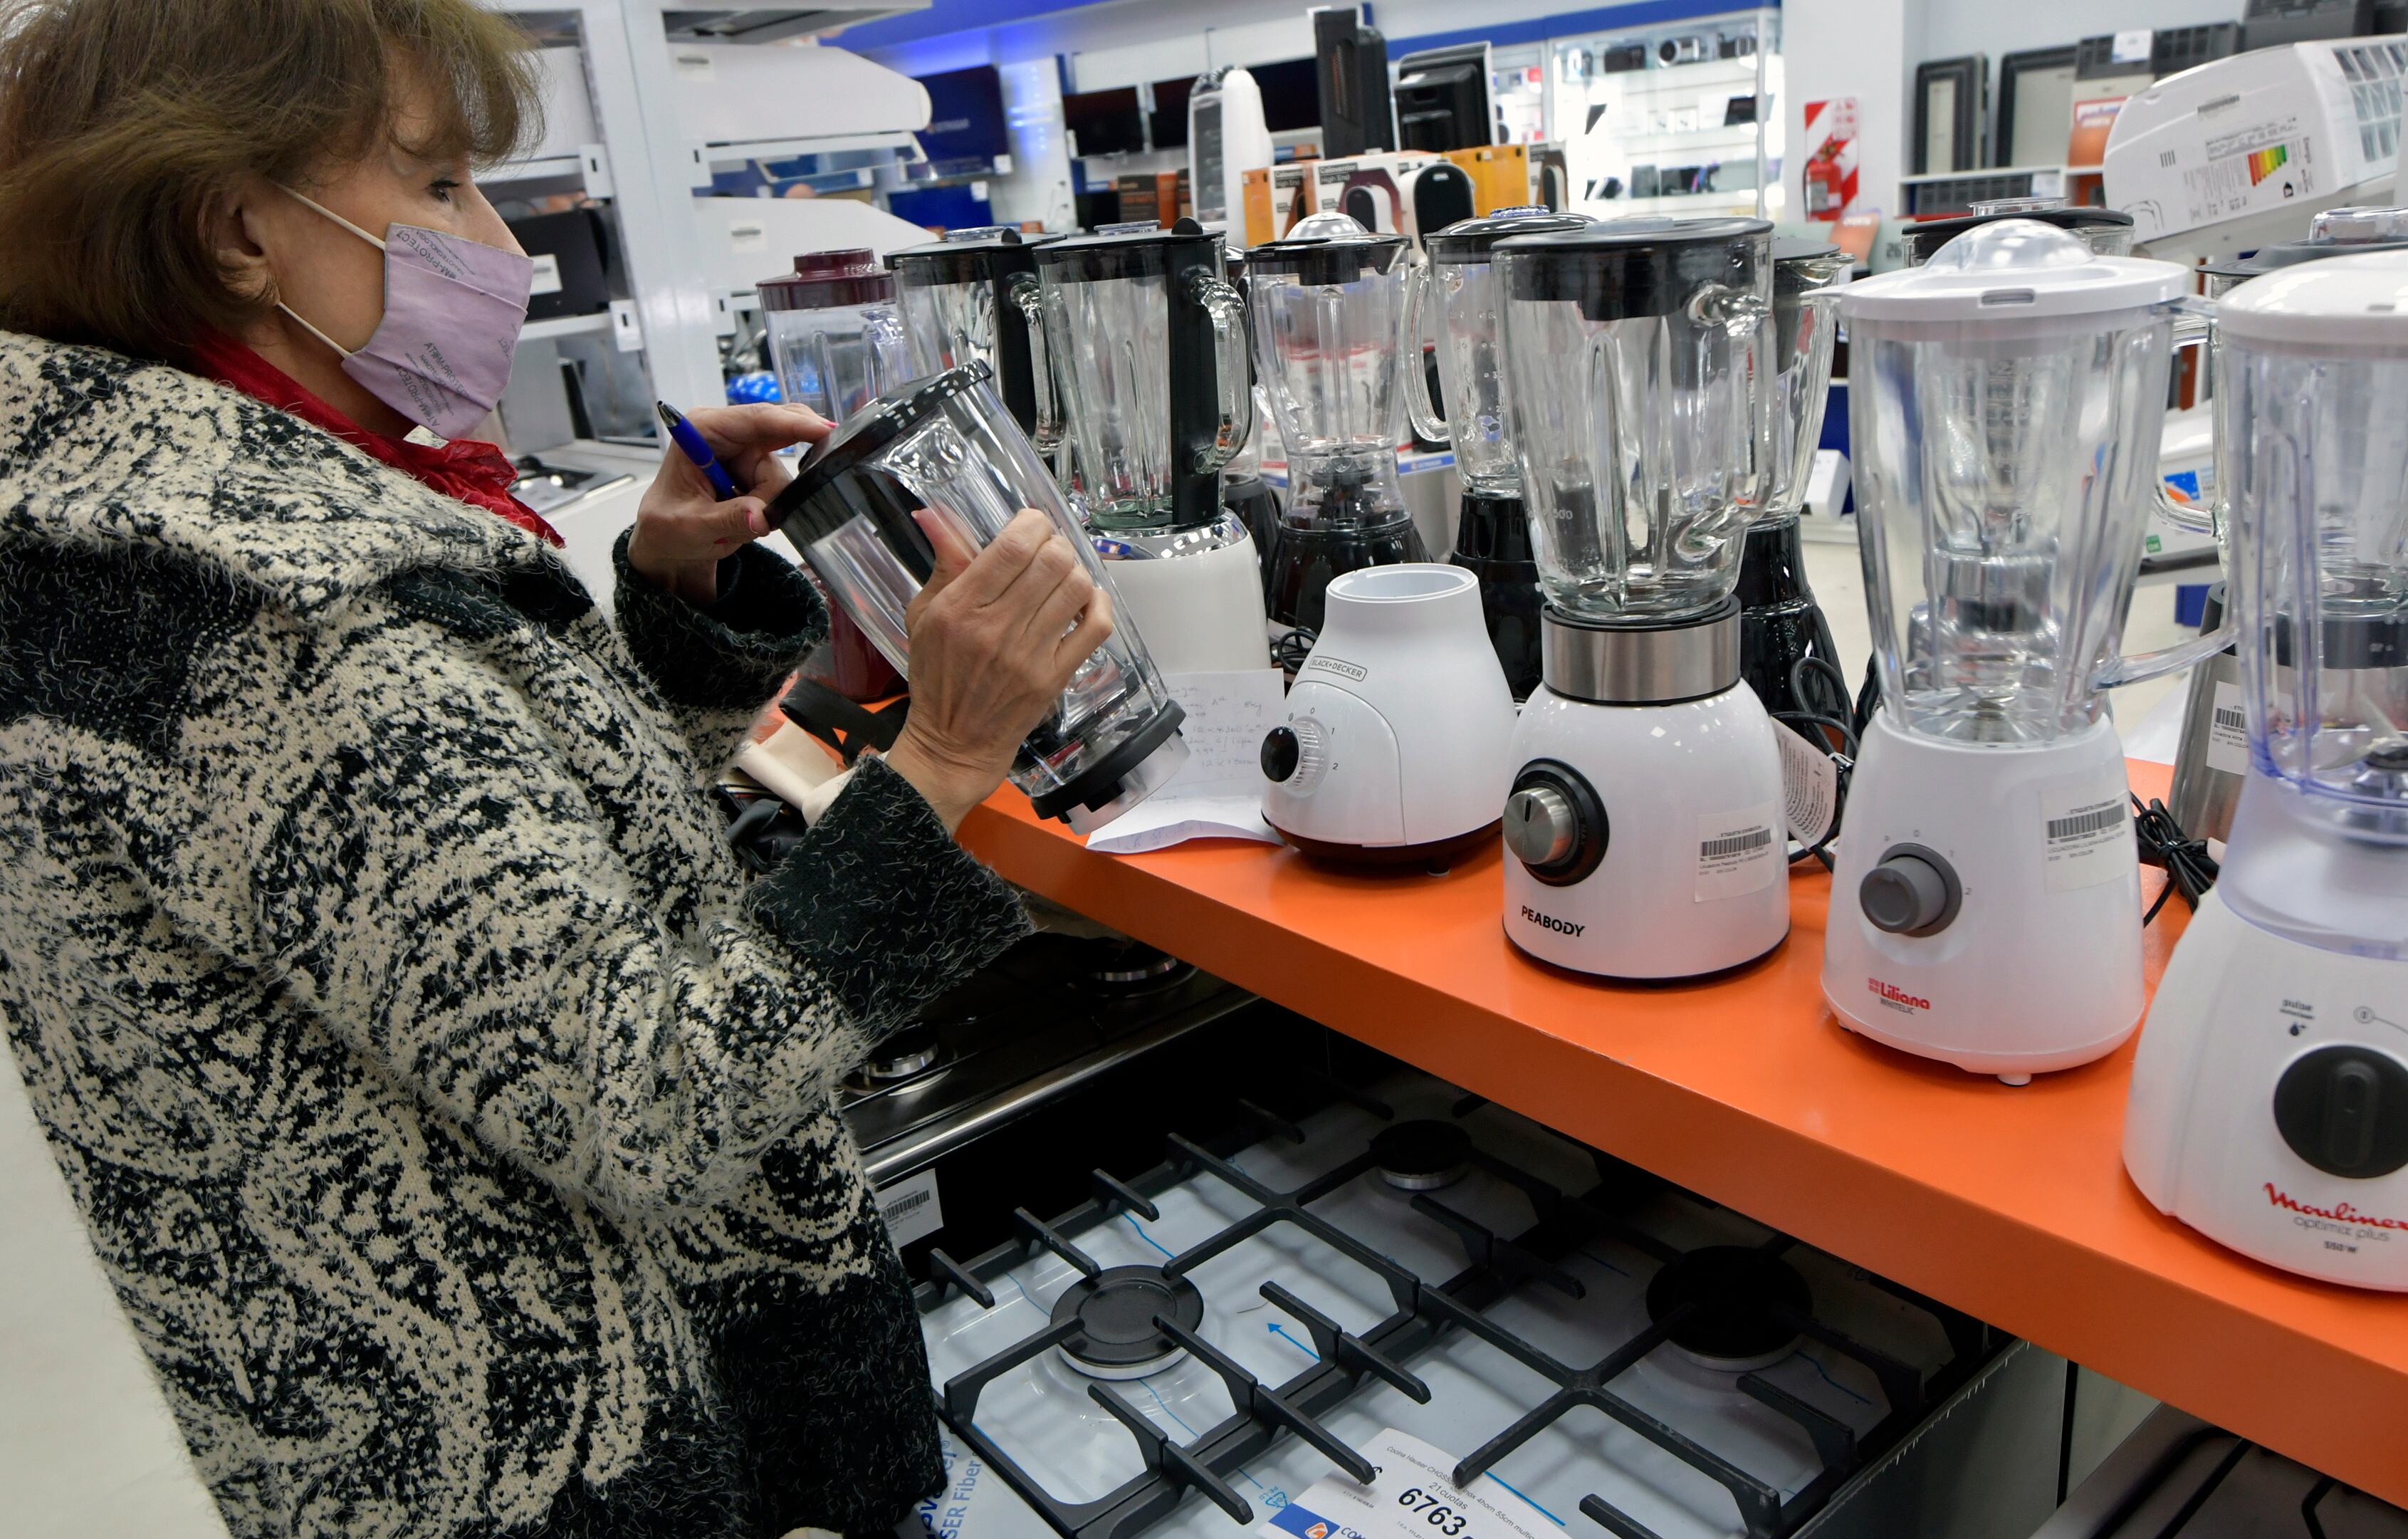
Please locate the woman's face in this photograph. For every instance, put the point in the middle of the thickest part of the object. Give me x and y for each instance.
(331, 276)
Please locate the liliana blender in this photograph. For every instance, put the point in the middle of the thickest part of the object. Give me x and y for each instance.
(1329, 306)
(1492, 536)
(1148, 342)
(2006, 400)
(2270, 1097)
(947, 444)
(1645, 819)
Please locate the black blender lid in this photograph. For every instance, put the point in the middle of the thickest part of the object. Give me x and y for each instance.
(1126, 251)
(1339, 250)
(971, 256)
(1622, 268)
(1790, 255)
(1469, 239)
(2290, 254)
(870, 429)
(1926, 236)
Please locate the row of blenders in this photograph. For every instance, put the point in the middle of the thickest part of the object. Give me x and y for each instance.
(2006, 400)
(1645, 823)
(2212, 759)
(2270, 1096)
(1457, 297)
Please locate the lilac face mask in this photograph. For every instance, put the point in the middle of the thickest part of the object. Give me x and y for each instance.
(452, 311)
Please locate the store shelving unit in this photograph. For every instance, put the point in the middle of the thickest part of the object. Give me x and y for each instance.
(1646, 117)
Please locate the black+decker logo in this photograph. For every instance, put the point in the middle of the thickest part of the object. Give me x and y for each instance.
(1548, 921)
(1895, 997)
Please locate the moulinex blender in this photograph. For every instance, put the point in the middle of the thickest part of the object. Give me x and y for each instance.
(2270, 1096)
(2006, 400)
(1644, 824)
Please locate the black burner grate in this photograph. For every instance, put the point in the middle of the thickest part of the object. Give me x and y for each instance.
(1723, 1304)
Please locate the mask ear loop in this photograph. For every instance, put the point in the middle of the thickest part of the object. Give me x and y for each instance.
(347, 224)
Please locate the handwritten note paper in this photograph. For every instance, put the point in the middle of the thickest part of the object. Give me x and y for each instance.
(1218, 793)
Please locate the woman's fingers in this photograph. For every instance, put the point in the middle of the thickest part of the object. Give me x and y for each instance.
(710, 532)
(762, 425)
(1006, 557)
(952, 558)
(1095, 627)
(1054, 616)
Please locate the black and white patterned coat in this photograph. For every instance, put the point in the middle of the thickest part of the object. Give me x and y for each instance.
(453, 1121)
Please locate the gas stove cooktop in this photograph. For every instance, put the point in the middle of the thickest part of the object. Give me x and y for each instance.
(1593, 1348)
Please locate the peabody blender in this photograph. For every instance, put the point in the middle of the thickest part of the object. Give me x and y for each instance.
(1644, 824)
(2270, 1097)
(1985, 904)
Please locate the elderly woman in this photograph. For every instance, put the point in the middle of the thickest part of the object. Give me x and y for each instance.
(454, 1122)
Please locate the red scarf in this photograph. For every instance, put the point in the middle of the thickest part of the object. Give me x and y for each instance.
(472, 471)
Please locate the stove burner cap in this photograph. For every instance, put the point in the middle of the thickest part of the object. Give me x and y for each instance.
(1132, 968)
(1736, 1298)
(1422, 1155)
(1115, 1310)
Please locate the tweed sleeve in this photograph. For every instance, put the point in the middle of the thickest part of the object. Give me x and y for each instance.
(717, 665)
(391, 822)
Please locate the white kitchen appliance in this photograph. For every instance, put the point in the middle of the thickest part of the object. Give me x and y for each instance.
(1398, 739)
(1225, 140)
(2239, 153)
(1645, 824)
(2269, 1099)
(2005, 399)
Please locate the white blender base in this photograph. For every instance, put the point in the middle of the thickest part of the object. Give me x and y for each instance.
(2041, 968)
(1675, 780)
(2237, 1006)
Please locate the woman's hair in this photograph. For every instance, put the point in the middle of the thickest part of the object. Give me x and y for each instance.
(124, 124)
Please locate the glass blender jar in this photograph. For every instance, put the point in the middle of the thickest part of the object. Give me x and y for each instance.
(835, 333)
(1147, 339)
(1328, 303)
(2105, 231)
(1492, 536)
(1781, 627)
(2007, 399)
(972, 297)
(947, 444)
(1645, 821)
(2272, 1080)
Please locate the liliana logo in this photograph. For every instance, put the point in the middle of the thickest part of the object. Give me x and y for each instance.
(2339, 1213)
(1895, 997)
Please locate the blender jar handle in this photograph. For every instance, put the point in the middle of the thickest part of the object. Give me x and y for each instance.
(1232, 368)
(1027, 294)
(2193, 322)
(890, 359)
(1418, 405)
(2119, 671)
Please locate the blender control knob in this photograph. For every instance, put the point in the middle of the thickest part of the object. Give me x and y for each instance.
(2344, 1110)
(1540, 827)
(1913, 891)
(1292, 755)
(1554, 823)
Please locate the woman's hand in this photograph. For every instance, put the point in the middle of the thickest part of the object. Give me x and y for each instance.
(994, 640)
(682, 533)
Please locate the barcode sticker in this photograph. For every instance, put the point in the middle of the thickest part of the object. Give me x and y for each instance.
(2087, 837)
(910, 1208)
(1738, 853)
(2228, 731)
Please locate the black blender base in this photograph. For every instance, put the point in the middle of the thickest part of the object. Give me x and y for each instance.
(1781, 625)
(1302, 562)
(1435, 856)
(1492, 540)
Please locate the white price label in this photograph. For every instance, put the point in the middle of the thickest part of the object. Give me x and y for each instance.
(1410, 1496)
(1739, 853)
(1810, 787)
(2228, 731)
(547, 273)
(2087, 837)
(2134, 47)
(910, 1208)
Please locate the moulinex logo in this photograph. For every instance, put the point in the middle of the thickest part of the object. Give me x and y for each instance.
(2339, 1213)
(1895, 997)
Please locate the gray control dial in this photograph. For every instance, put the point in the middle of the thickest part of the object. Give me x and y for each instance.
(1540, 825)
(1913, 890)
(1554, 823)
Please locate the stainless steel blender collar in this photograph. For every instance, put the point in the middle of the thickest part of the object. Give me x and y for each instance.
(1629, 267)
(1641, 661)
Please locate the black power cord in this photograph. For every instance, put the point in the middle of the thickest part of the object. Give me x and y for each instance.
(2189, 868)
(1824, 690)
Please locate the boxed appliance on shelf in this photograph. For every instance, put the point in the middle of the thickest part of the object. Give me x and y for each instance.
(1673, 120)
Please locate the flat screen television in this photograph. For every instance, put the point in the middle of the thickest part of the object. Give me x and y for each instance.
(1291, 94)
(1106, 122)
(964, 115)
(1169, 119)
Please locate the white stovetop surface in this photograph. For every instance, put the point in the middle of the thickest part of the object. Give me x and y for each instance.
(1040, 1414)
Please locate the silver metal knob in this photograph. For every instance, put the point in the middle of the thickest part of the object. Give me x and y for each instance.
(1541, 827)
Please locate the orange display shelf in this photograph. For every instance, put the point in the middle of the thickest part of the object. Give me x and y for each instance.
(2011, 1205)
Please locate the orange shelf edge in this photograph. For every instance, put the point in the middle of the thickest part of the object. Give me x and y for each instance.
(2011, 1205)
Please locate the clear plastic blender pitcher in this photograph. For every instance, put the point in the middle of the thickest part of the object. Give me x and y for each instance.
(1147, 341)
(2007, 399)
(1456, 296)
(2315, 366)
(947, 444)
(1807, 278)
(835, 333)
(972, 297)
(1632, 349)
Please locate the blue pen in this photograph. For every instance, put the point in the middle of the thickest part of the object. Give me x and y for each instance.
(690, 443)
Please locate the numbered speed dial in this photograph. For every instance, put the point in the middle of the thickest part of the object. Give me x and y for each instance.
(1293, 755)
